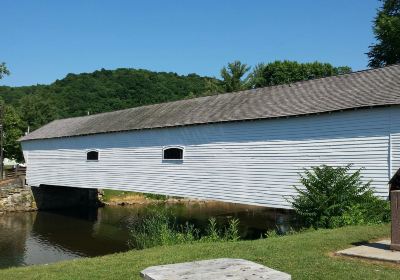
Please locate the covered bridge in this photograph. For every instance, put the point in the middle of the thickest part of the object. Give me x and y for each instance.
(245, 147)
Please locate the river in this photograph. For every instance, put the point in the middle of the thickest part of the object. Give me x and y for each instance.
(45, 237)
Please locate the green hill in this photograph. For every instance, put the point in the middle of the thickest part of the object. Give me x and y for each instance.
(102, 91)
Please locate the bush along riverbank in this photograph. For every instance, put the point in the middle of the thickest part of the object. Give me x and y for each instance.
(335, 196)
(160, 229)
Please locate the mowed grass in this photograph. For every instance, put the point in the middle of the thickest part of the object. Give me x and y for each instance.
(305, 256)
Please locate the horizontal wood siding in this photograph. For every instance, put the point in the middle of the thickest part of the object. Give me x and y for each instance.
(251, 162)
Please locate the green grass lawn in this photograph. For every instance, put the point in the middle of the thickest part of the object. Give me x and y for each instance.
(304, 256)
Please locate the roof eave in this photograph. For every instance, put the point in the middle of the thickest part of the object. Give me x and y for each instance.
(22, 139)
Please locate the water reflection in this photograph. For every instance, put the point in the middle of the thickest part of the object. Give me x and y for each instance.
(45, 237)
(14, 230)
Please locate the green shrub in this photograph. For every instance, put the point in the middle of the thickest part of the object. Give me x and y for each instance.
(158, 228)
(376, 211)
(334, 196)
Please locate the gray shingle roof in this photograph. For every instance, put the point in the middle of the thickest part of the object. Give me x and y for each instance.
(376, 87)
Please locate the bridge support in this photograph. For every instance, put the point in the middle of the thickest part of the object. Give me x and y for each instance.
(58, 197)
(395, 205)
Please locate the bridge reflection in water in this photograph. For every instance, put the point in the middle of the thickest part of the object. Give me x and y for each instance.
(46, 237)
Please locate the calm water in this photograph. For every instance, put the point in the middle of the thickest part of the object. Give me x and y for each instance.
(46, 237)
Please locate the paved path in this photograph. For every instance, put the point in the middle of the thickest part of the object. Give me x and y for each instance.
(379, 251)
(216, 269)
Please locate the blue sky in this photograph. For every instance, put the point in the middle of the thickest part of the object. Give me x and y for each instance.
(43, 40)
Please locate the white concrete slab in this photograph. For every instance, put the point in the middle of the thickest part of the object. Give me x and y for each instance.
(216, 269)
(379, 251)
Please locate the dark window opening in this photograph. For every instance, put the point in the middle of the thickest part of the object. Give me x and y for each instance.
(173, 153)
(92, 155)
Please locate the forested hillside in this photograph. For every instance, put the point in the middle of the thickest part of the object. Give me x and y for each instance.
(102, 91)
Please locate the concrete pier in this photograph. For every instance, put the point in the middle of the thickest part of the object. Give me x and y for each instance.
(59, 197)
(395, 208)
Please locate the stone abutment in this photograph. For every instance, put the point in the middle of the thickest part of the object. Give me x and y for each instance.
(17, 197)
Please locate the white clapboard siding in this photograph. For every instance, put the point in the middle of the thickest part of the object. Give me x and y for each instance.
(251, 162)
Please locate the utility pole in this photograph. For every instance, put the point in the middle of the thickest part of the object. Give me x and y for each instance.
(1, 142)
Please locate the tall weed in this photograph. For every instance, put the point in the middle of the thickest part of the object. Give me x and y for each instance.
(160, 229)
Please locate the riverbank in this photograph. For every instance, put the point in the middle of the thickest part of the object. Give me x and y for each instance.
(122, 198)
(305, 256)
(14, 197)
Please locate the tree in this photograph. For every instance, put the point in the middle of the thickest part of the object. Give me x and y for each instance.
(387, 33)
(12, 125)
(213, 86)
(256, 77)
(283, 72)
(233, 74)
(37, 110)
(3, 70)
(13, 130)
